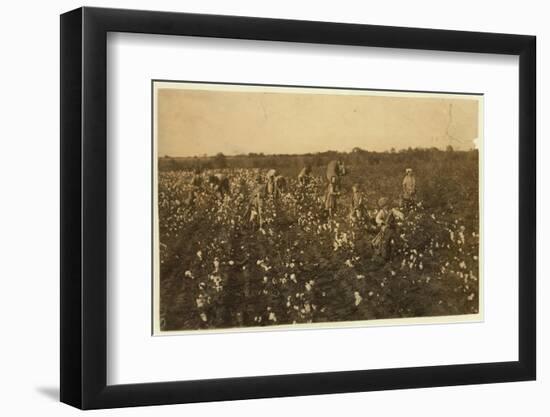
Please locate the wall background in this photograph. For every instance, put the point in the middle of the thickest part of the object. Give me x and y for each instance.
(29, 225)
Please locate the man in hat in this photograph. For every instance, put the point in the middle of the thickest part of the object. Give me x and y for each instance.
(409, 189)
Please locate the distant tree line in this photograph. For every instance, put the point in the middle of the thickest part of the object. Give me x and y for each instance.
(357, 156)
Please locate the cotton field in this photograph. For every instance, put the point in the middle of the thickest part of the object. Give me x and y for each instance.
(218, 269)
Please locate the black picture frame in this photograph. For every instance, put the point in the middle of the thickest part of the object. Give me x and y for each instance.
(84, 207)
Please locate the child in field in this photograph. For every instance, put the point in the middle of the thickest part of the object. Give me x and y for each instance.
(386, 220)
(196, 184)
(409, 189)
(271, 187)
(256, 203)
(304, 175)
(196, 179)
(331, 197)
(357, 205)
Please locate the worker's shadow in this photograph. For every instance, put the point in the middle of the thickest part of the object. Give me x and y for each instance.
(50, 392)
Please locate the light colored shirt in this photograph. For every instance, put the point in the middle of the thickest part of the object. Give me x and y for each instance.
(381, 216)
(409, 186)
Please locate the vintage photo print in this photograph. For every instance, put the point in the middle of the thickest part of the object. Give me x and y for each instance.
(282, 207)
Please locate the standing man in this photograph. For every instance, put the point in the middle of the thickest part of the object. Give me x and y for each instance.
(409, 189)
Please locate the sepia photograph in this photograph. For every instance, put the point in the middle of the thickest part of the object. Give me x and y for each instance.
(285, 207)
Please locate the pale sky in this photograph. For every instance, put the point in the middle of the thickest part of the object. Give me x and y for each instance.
(193, 120)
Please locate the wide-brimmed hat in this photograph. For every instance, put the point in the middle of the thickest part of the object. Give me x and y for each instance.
(409, 170)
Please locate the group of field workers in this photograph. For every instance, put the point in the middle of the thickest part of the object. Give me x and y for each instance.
(271, 186)
(387, 215)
